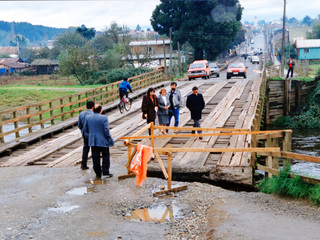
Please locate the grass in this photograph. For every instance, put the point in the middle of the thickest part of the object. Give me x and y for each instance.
(315, 68)
(39, 86)
(283, 185)
(12, 97)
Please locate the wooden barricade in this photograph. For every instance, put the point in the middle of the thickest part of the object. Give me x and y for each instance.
(269, 150)
(60, 109)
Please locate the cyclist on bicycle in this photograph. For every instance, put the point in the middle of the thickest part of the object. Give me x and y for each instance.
(123, 86)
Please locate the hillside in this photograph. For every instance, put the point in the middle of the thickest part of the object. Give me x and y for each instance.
(35, 33)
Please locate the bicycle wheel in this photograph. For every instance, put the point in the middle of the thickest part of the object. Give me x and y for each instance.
(127, 104)
(121, 106)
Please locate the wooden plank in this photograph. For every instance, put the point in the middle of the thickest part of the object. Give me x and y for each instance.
(300, 157)
(161, 164)
(218, 150)
(43, 150)
(168, 191)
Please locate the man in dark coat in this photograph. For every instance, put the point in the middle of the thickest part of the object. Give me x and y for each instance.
(81, 123)
(195, 103)
(97, 130)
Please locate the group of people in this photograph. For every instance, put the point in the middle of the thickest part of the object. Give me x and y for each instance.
(167, 105)
(96, 134)
(95, 127)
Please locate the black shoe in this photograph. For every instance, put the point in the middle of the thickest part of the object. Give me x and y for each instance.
(200, 138)
(84, 167)
(193, 132)
(109, 175)
(98, 177)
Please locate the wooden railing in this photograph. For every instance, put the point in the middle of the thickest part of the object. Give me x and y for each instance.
(277, 143)
(272, 166)
(62, 108)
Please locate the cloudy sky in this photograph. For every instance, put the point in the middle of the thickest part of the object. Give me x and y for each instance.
(100, 14)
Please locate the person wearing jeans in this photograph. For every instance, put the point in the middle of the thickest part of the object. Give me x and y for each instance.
(176, 102)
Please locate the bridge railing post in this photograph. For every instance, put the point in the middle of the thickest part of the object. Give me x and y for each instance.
(287, 146)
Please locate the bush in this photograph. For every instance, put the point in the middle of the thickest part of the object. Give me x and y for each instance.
(283, 185)
(308, 118)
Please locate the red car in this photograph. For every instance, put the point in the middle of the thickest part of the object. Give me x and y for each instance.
(236, 70)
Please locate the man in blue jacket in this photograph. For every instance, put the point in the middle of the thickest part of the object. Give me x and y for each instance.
(98, 132)
(81, 123)
(123, 86)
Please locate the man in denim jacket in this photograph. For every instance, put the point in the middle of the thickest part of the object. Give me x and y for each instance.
(176, 102)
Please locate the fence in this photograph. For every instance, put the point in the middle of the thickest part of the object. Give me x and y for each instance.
(272, 165)
(37, 79)
(68, 106)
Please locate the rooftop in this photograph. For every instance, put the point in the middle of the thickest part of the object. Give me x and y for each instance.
(149, 42)
(307, 43)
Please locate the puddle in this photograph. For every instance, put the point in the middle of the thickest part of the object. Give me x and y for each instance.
(96, 182)
(80, 191)
(159, 213)
(63, 209)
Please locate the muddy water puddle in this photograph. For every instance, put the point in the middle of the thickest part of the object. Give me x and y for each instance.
(97, 182)
(63, 209)
(159, 213)
(80, 191)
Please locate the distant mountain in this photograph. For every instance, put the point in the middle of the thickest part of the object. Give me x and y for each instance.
(36, 34)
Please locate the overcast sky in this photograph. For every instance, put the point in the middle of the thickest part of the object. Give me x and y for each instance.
(100, 14)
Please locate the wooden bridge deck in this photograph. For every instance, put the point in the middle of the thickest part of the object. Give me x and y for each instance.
(229, 104)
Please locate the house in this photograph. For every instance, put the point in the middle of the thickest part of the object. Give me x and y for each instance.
(10, 51)
(11, 65)
(308, 48)
(150, 52)
(44, 66)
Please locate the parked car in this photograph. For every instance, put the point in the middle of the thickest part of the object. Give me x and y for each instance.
(236, 70)
(199, 68)
(255, 59)
(214, 69)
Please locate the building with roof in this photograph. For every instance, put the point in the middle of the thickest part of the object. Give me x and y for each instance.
(44, 66)
(150, 52)
(308, 49)
(11, 65)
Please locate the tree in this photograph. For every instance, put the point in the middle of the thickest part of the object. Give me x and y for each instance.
(70, 40)
(85, 32)
(293, 21)
(19, 40)
(315, 33)
(241, 37)
(114, 32)
(112, 58)
(209, 26)
(307, 21)
(78, 62)
(138, 28)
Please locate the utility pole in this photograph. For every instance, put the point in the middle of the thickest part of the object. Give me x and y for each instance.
(273, 47)
(165, 58)
(179, 59)
(283, 39)
(170, 49)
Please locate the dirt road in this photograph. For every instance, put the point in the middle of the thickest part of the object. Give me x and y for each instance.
(62, 203)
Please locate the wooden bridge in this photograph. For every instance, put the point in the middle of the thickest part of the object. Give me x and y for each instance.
(230, 120)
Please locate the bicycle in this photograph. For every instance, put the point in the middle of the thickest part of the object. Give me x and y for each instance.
(125, 103)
